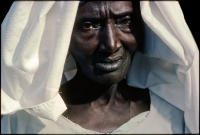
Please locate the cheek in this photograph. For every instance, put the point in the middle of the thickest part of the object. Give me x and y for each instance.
(84, 45)
(129, 41)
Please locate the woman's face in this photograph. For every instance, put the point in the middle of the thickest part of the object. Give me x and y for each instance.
(102, 41)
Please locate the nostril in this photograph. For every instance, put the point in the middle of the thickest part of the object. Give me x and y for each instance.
(104, 54)
(112, 48)
(107, 50)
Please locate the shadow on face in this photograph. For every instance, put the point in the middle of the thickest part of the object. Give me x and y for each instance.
(104, 40)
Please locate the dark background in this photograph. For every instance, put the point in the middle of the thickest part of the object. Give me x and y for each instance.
(189, 8)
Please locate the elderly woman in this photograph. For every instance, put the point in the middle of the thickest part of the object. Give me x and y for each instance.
(123, 72)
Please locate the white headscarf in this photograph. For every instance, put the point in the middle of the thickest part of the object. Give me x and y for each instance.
(35, 40)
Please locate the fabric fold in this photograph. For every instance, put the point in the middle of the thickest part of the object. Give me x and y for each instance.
(36, 37)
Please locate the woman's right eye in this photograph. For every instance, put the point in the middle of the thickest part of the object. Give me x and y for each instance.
(88, 26)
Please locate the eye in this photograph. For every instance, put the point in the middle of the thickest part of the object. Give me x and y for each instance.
(88, 26)
(125, 23)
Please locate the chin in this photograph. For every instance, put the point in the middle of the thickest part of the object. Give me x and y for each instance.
(109, 78)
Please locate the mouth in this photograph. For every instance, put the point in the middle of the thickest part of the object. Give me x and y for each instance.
(108, 65)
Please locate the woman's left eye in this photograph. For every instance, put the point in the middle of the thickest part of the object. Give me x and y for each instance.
(124, 24)
(125, 21)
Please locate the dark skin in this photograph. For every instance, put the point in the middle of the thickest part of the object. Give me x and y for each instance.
(103, 44)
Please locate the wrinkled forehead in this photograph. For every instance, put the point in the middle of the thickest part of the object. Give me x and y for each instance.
(99, 8)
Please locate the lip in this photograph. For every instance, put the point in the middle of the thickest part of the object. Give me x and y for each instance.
(110, 60)
(108, 65)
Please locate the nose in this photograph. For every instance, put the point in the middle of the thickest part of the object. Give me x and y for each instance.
(109, 38)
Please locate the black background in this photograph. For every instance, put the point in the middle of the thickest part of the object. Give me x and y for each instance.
(190, 8)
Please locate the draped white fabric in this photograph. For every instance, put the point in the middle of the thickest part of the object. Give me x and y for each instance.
(35, 40)
(170, 65)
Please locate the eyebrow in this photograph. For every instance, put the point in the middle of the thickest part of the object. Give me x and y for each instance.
(93, 19)
(118, 15)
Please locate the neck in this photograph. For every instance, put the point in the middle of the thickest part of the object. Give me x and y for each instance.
(81, 90)
(104, 107)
